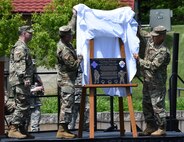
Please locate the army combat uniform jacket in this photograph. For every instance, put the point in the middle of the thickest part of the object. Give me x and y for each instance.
(67, 67)
(154, 64)
(67, 63)
(21, 66)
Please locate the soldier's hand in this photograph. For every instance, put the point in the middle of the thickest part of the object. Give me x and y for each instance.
(74, 12)
(80, 58)
(38, 88)
(27, 82)
(136, 56)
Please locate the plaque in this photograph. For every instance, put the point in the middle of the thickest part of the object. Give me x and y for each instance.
(108, 71)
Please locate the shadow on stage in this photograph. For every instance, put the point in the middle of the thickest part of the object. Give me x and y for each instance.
(101, 136)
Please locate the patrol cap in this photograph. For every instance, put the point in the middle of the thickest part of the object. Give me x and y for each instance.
(158, 30)
(26, 28)
(63, 30)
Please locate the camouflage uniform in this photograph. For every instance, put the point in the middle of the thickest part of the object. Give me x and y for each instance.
(21, 70)
(35, 110)
(67, 72)
(9, 107)
(154, 67)
(76, 106)
(35, 104)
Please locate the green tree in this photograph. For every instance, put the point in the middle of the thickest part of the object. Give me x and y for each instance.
(46, 26)
(177, 6)
(8, 27)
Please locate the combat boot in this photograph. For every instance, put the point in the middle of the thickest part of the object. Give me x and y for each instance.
(159, 132)
(14, 133)
(23, 130)
(150, 128)
(64, 133)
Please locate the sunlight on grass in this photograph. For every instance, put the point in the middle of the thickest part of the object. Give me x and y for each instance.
(49, 105)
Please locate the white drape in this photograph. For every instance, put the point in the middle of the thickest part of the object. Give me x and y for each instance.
(106, 27)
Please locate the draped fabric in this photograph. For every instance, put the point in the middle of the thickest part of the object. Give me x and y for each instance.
(106, 27)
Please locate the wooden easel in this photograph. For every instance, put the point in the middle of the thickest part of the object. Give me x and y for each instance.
(92, 88)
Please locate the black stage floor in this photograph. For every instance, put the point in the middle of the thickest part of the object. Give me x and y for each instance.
(101, 136)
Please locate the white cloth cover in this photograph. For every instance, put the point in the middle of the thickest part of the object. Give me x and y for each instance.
(106, 27)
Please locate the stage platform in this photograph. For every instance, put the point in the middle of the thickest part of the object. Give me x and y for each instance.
(101, 136)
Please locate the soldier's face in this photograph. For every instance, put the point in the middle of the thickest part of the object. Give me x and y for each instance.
(28, 36)
(158, 39)
(68, 38)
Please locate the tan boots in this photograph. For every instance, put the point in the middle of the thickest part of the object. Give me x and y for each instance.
(64, 133)
(150, 128)
(19, 132)
(15, 133)
(159, 132)
(154, 129)
(24, 131)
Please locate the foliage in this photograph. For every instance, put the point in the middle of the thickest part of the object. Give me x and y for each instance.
(5, 7)
(8, 27)
(178, 15)
(46, 25)
(49, 105)
(58, 13)
(176, 6)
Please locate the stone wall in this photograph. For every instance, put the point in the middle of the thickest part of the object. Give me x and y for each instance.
(49, 121)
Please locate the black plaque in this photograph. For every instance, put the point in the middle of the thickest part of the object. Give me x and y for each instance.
(108, 71)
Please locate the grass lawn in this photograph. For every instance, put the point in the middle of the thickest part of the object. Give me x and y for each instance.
(103, 102)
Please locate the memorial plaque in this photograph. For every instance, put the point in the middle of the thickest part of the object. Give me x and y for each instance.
(108, 71)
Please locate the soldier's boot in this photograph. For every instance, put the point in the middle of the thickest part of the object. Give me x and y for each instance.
(14, 133)
(161, 131)
(150, 128)
(24, 131)
(64, 133)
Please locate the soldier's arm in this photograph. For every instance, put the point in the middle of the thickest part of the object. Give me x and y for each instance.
(160, 59)
(70, 61)
(144, 37)
(20, 61)
(72, 22)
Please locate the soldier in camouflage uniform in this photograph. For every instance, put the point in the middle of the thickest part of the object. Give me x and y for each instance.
(68, 64)
(76, 106)
(37, 89)
(20, 79)
(154, 67)
(9, 107)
